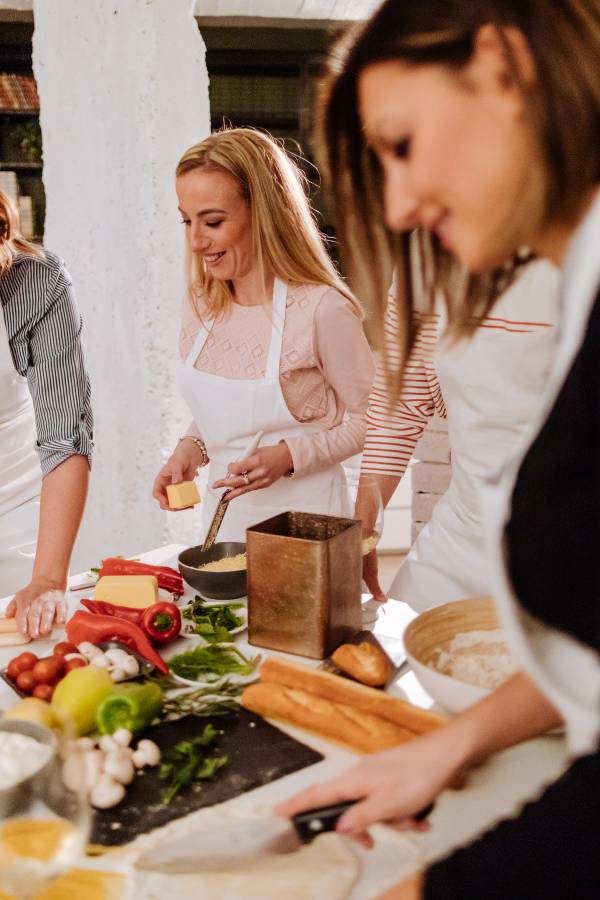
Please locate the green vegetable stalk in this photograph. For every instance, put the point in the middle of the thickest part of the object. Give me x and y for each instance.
(132, 706)
(211, 662)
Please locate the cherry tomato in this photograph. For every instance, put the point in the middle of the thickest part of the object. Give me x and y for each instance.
(26, 661)
(74, 664)
(63, 648)
(46, 670)
(13, 669)
(43, 692)
(26, 681)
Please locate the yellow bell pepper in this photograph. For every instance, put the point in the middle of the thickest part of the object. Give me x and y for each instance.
(79, 695)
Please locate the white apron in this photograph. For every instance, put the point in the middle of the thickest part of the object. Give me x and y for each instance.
(567, 671)
(491, 385)
(20, 475)
(229, 413)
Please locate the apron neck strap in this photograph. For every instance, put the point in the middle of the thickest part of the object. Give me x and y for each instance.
(279, 305)
(199, 343)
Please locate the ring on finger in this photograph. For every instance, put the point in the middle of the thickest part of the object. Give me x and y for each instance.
(245, 477)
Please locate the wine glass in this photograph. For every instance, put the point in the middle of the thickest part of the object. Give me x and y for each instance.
(44, 827)
(359, 497)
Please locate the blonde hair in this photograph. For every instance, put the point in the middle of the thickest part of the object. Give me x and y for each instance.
(285, 235)
(563, 110)
(11, 239)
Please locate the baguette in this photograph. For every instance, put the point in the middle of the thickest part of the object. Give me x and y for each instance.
(358, 731)
(13, 639)
(364, 662)
(350, 693)
(7, 626)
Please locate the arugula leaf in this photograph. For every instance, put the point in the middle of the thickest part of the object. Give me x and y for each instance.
(187, 762)
(211, 662)
(213, 623)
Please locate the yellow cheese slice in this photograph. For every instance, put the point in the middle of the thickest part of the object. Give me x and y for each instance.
(138, 591)
(182, 495)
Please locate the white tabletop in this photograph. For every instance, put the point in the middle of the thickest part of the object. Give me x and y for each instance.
(495, 790)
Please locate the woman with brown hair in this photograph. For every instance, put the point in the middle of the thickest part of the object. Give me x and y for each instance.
(461, 133)
(271, 338)
(45, 428)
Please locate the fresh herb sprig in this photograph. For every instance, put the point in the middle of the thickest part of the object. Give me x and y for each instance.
(188, 762)
(204, 701)
(211, 662)
(213, 623)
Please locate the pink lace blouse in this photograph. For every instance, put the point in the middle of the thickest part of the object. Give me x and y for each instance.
(326, 370)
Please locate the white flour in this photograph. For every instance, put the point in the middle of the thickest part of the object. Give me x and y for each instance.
(20, 757)
(480, 658)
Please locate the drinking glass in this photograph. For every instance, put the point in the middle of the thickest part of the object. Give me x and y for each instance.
(44, 828)
(359, 497)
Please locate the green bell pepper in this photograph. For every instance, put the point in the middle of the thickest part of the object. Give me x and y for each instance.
(130, 705)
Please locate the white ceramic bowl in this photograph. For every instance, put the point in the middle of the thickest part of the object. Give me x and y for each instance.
(435, 629)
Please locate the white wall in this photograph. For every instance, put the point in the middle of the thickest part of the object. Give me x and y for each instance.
(124, 91)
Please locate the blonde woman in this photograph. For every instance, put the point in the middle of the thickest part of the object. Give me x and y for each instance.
(271, 338)
(45, 428)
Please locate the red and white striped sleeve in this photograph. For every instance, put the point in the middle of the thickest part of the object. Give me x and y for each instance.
(392, 433)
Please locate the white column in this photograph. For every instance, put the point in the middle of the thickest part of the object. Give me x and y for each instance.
(124, 91)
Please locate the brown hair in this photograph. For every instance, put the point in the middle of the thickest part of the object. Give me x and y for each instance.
(11, 239)
(563, 107)
(285, 234)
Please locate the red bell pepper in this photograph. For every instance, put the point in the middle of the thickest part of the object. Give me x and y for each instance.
(168, 579)
(86, 626)
(102, 608)
(161, 622)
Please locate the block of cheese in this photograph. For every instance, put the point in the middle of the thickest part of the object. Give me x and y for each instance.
(138, 591)
(182, 495)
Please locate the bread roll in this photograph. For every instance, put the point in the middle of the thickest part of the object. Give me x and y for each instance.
(357, 730)
(359, 696)
(7, 626)
(364, 662)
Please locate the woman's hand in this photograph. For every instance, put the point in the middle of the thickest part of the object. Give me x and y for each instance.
(371, 576)
(37, 606)
(262, 469)
(182, 465)
(389, 787)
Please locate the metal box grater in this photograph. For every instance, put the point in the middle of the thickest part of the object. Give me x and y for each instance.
(304, 583)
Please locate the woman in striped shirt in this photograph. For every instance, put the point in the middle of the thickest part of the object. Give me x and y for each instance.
(45, 428)
(488, 388)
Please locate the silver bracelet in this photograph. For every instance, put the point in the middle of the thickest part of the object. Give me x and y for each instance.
(199, 443)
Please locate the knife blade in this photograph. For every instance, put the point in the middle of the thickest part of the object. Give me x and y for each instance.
(211, 534)
(236, 846)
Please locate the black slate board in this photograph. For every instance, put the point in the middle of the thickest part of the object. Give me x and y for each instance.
(257, 753)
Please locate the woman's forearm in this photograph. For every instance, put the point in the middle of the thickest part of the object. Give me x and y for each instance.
(64, 492)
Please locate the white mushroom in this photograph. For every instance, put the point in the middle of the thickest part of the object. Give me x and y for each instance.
(88, 650)
(106, 792)
(93, 760)
(122, 737)
(131, 667)
(119, 766)
(146, 754)
(116, 656)
(117, 674)
(101, 661)
(69, 656)
(84, 743)
(108, 743)
(74, 773)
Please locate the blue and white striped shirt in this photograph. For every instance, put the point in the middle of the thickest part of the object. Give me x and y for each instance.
(43, 325)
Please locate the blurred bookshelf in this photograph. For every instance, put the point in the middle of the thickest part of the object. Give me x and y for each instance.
(21, 162)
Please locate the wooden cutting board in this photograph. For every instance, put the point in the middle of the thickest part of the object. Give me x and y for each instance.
(257, 753)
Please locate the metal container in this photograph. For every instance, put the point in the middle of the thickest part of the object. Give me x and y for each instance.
(304, 583)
